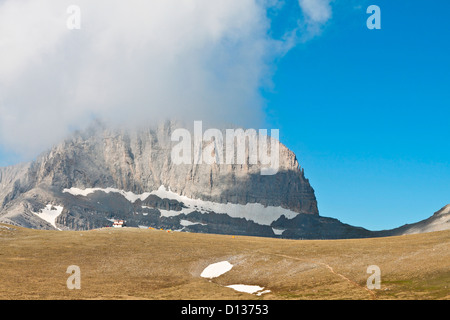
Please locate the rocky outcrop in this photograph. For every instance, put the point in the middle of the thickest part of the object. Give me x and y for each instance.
(12, 182)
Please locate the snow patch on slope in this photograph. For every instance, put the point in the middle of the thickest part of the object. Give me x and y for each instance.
(247, 288)
(130, 196)
(255, 212)
(186, 223)
(216, 269)
(49, 214)
(278, 232)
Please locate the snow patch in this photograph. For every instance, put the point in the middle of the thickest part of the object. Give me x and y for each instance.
(278, 232)
(50, 213)
(245, 288)
(249, 289)
(130, 196)
(216, 269)
(255, 212)
(186, 223)
(262, 292)
(169, 213)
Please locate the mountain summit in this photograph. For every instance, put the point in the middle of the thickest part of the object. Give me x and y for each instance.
(139, 162)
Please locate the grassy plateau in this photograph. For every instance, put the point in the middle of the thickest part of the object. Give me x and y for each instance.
(131, 263)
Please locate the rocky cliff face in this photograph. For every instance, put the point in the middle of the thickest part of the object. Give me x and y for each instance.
(140, 161)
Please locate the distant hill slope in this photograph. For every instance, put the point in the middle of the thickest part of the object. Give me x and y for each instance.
(440, 220)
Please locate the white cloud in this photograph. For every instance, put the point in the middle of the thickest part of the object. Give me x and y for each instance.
(316, 10)
(133, 61)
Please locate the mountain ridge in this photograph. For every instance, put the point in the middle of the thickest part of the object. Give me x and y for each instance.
(117, 164)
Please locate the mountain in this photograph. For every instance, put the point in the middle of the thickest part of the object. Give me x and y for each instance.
(439, 221)
(139, 162)
(102, 174)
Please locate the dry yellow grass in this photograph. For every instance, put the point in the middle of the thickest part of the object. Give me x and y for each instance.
(152, 264)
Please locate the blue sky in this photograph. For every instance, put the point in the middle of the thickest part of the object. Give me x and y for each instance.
(367, 112)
